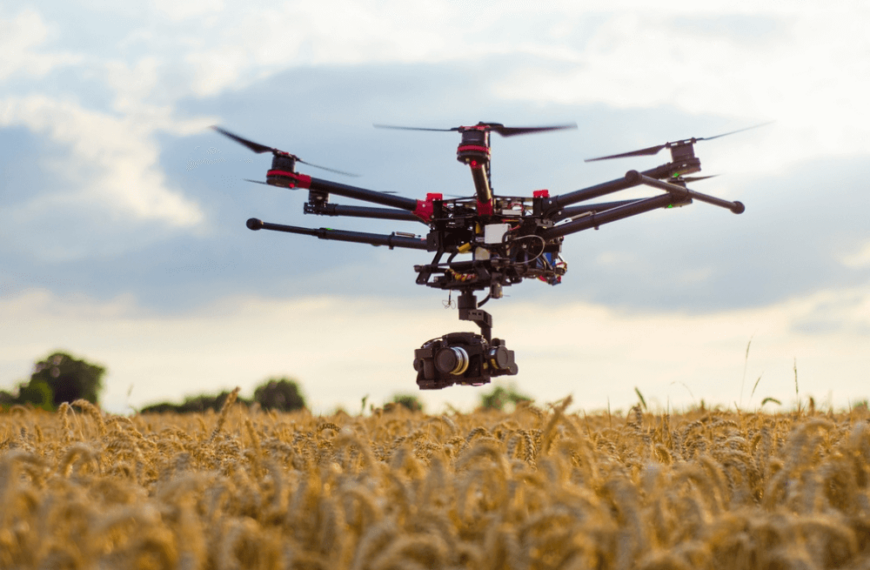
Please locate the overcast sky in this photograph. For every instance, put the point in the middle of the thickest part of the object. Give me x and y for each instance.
(122, 236)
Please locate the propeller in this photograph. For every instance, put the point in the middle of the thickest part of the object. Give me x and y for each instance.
(655, 149)
(494, 127)
(697, 178)
(259, 149)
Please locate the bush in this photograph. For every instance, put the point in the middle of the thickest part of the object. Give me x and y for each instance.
(409, 402)
(38, 393)
(500, 396)
(7, 399)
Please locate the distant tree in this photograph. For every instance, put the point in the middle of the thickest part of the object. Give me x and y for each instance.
(161, 408)
(282, 394)
(200, 403)
(500, 397)
(204, 402)
(68, 378)
(408, 401)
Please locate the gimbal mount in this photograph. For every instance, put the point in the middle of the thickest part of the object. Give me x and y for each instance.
(464, 357)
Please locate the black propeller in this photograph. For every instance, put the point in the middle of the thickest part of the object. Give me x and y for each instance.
(494, 127)
(259, 148)
(655, 149)
(697, 178)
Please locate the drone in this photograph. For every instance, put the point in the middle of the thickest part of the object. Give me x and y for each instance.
(508, 238)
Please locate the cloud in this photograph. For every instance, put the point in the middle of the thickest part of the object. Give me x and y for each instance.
(735, 60)
(846, 312)
(112, 162)
(177, 11)
(20, 40)
(770, 65)
(858, 258)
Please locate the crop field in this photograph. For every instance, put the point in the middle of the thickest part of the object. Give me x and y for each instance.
(532, 489)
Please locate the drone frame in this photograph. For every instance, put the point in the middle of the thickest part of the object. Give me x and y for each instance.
(497, 230)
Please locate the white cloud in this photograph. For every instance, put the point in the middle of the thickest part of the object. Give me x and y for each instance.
(20, 38)
(801, 65)
(859, 258)
(177, 11)
(113, 161)
(808, 72)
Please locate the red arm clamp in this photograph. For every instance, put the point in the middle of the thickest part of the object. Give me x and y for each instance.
(425, 208)
(299, 180)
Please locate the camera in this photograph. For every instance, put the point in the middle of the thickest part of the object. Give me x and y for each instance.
(461, 358)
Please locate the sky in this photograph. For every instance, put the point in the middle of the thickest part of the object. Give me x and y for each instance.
(122, 236)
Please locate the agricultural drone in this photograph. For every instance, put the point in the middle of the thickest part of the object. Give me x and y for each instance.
(508, 238)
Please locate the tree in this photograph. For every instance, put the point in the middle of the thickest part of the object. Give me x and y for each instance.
(197, 404)
(500, 396)
(409, 401)
(282, 394)
(68, 378)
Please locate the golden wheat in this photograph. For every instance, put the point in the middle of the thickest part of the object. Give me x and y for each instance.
(532, 489)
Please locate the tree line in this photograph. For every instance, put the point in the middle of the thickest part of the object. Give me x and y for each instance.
(60, 377)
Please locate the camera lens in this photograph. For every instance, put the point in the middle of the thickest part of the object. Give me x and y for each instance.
(452, 360)
(499, 358)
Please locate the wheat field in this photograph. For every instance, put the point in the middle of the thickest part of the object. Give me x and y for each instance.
(537, 488)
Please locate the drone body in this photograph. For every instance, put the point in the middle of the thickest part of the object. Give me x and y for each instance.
(509, 238)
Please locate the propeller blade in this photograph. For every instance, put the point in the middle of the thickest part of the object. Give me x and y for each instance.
(511, 131)
(697, 178)
(642, 152)
(494, 127)
(655, 149)
(325, 168)
(256, 147)
(256, 181)
(377, 126)
(737, 131)
(259, 148)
